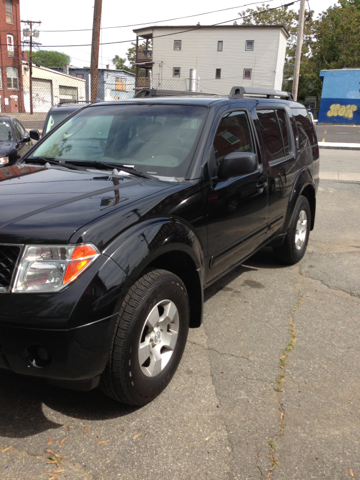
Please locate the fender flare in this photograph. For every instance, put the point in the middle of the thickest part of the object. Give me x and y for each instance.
(304, 182)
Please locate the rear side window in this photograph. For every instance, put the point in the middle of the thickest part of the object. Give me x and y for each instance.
(284, 130)
(271, 134)
(305, 127)
(233, 135)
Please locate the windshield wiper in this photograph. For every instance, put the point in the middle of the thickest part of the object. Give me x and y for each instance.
(51, 161)
(108, 166)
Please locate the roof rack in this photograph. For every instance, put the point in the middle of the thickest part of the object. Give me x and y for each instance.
(65, 102)
(240, 92)
(152, 92)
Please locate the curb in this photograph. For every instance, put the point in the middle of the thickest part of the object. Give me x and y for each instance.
(340, 146)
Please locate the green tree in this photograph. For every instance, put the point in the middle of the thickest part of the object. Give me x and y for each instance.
(120, 64)
(287, 16)
(50, 58)
(131, 57)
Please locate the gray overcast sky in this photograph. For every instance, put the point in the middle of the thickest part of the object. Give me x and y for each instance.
(78, 14)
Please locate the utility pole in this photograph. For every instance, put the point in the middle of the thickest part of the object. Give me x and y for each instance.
(298, 50)
(95, 49)
(29, 32)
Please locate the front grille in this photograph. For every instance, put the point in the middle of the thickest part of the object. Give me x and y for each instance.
(8, 257)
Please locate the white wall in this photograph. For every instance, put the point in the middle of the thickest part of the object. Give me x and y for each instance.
(199, 51)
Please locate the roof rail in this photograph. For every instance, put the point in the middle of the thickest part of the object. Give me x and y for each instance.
(152, 92)
(65, 102)
(240, 92)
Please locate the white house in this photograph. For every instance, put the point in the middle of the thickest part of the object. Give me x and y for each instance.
(50, 87)
(223, 56)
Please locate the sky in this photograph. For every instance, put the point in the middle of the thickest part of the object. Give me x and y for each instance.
(78, 14)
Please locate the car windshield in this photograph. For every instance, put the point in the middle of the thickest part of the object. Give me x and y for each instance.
(5, 132)
(155, 139)
(55, 119)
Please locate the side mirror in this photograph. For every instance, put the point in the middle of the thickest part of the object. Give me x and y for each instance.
(236, 164)
(25, 138)
(35, 134)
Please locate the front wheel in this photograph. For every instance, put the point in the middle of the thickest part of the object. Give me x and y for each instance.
(294, 247)
(149, 339)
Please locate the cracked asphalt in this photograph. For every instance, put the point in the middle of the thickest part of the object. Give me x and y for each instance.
(234, 410)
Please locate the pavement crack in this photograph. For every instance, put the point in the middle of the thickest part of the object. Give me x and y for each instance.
(257, 462)
(235, 356)
(221, 353)
(279, 383)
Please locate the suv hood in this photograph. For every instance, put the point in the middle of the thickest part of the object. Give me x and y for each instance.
(42, 205)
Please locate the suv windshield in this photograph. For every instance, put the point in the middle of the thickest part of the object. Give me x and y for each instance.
(156, 139)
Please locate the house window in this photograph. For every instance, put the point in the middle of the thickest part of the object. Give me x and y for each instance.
(176, 72)
(218, 73)
(9, 11)
(120, 84)
(177, 44)
(220, 46)
(1, 85)
(247, 73)
(12, 78)
(249, 45)
(10, 45)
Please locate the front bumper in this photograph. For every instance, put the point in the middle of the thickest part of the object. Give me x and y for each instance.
(64, 337)
(74, 356)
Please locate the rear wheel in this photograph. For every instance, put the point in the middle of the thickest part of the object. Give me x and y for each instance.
(294, 247)
(149, 339)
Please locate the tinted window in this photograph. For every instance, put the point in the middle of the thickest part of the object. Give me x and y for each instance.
(284, 129)
(270, 132)
(233, 135)
(17, 130)
(305, 127)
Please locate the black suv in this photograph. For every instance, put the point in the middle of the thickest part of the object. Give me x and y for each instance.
(114, 223)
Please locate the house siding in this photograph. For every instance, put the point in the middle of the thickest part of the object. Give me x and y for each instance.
(199, 51)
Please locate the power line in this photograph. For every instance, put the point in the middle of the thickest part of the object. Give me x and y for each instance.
(198, 27)
(159, 21)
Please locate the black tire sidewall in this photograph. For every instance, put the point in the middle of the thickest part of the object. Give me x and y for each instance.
(302, 204)
(167, 287)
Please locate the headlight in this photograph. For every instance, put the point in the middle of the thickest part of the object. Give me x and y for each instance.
(49, 268)
(4, 160)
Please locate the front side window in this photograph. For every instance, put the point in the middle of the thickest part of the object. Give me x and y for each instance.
(159, 140)
(18, 130)
(177, 44)
(12, 77)
(249, 45)
(247, 73)
(233, 135)
(271, 134)
(9, 11)
(220, 46)
(218, 73)
(176, 72)
(10, 45)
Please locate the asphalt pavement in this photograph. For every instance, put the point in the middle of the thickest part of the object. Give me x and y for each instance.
(268, 387)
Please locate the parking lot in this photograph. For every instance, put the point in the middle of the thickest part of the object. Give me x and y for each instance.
(267, 388)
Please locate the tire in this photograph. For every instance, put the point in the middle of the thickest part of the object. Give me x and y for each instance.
(294, 247)
(149, 339)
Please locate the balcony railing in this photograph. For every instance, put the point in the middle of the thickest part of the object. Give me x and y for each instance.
(144, 56)
(142, 82)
